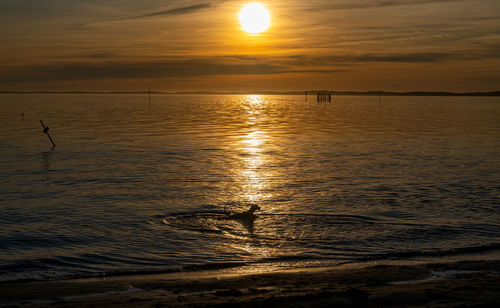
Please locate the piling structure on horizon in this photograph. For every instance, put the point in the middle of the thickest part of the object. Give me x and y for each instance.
(321, 96)
(324, 96)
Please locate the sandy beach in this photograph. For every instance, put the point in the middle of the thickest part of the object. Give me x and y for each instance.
(431, 284)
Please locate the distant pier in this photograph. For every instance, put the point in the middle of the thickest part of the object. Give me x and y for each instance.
(321, 96)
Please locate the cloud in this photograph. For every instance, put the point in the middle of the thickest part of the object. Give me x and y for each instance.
(429, 57)
(102, 66)
(101, 55)
(138, 70)
(177, 11)
(487, 52)
(170, 12)
(376, 4)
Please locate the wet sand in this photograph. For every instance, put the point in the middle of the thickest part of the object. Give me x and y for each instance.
(418, 284)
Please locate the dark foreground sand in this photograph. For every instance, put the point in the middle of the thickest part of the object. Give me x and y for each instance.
(444, 284)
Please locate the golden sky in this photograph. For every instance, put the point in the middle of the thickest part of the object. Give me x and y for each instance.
(175, 45)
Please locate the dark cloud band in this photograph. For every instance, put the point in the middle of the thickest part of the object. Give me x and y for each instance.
(176, 11)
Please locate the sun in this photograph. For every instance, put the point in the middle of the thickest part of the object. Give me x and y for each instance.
(254, 18)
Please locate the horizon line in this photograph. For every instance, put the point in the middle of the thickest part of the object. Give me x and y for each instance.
(311, 92)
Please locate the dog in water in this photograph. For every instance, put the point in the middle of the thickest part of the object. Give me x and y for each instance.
(246, 218)
(247, 215)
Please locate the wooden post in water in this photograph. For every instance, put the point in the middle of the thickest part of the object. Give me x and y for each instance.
(324, 96)
(149, 90)
(46, 131)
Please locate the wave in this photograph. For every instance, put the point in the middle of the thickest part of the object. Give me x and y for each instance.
(411, 254)
(37, 270)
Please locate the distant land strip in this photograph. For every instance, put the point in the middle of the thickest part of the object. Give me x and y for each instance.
(311, 92)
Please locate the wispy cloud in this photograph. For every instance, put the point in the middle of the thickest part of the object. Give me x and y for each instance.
(169, 12)
(408, 58)
(347, 5)
(176, 11)
(429, 57)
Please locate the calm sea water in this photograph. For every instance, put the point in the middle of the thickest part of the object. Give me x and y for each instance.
(136, 189)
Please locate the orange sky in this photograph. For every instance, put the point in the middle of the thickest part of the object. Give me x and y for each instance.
(405, 45)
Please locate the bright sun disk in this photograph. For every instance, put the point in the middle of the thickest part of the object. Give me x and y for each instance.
(254, 18)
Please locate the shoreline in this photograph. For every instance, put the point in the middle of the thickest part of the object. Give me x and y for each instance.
(441, 283)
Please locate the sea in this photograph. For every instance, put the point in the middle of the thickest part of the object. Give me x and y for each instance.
(136, 187)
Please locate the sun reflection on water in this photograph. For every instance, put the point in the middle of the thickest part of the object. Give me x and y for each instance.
(255, 179)
(252, 144)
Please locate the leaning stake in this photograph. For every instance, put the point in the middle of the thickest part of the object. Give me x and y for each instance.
(46, 131)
